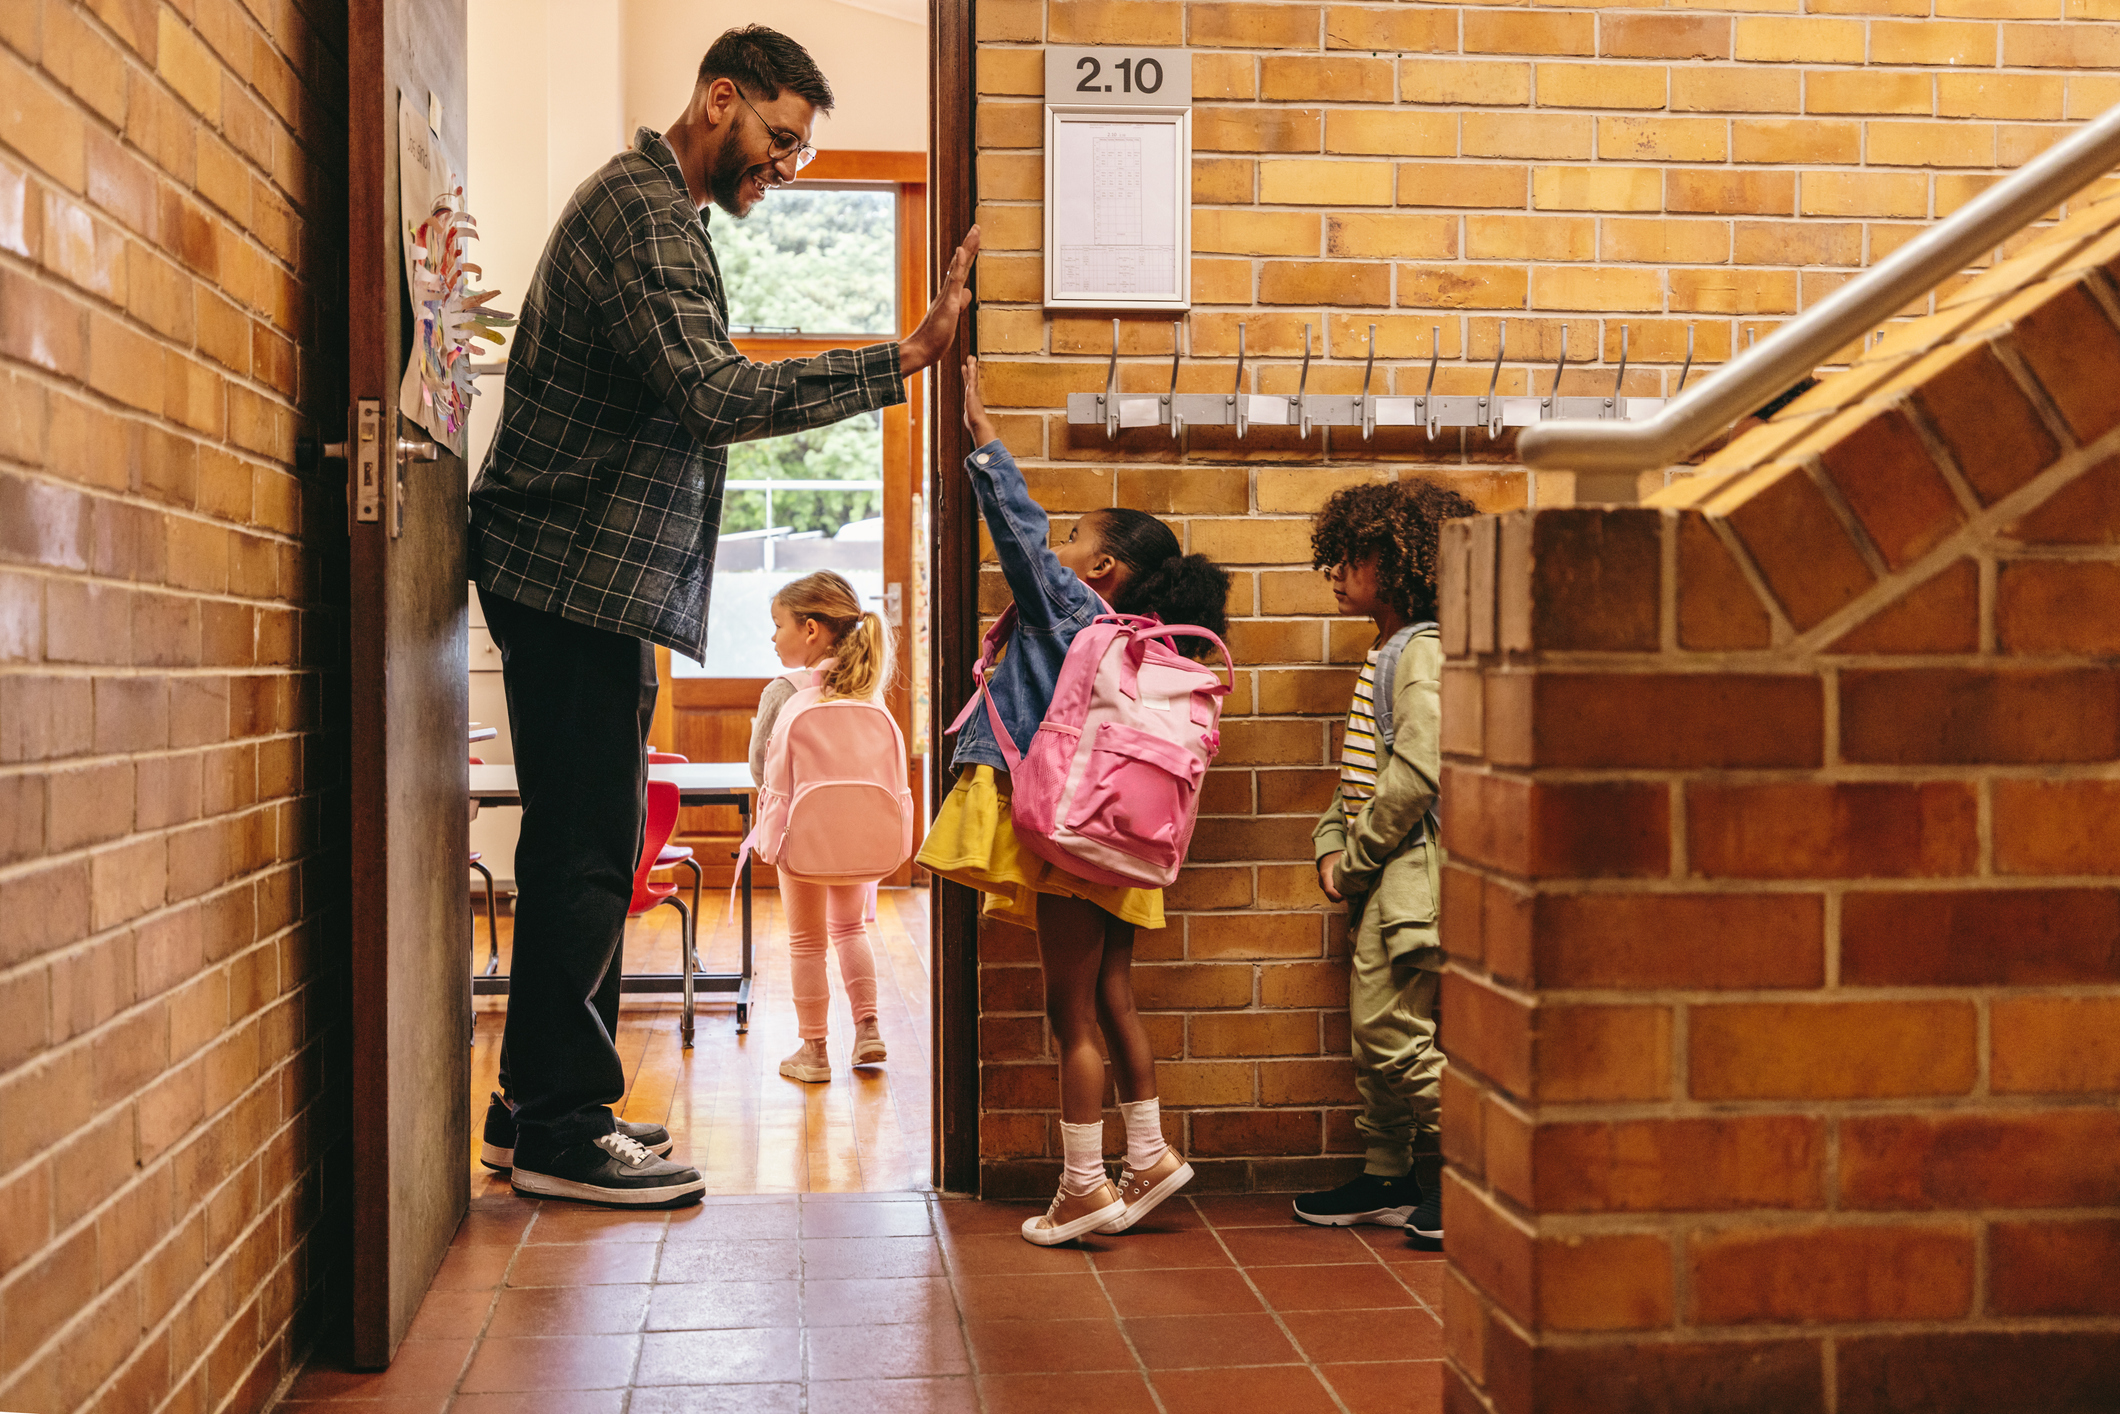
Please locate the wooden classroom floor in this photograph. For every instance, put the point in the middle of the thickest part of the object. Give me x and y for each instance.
(820, 1277)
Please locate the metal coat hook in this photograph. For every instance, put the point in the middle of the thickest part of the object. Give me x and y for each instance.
(1490, 413)
(1688, 367)
(1111, 387)
(1613, 404)
(1362, 404)
(1296, 403)
(1427, 403)
(1170, 399)
(1546, 408)
(1236, 399)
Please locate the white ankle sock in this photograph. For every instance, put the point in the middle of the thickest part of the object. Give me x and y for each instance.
(1083, 1147)
(1144, 1132)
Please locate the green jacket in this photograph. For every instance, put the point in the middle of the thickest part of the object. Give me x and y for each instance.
(1391, 850)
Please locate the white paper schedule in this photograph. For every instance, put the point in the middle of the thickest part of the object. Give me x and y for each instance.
(1111, 235)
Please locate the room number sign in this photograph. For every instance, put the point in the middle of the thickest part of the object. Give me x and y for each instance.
(1118, 177)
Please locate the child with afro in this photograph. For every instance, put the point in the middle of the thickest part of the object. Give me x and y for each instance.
(1376, 846)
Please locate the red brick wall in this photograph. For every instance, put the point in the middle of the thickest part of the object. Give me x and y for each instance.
(1784, 906)
(167, 219)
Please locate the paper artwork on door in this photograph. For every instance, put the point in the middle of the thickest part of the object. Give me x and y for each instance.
(447, 312)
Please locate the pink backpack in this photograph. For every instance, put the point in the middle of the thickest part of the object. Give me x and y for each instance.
(1110, 787)
(834, 808)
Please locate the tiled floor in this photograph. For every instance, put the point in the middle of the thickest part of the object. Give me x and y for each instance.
(894, 1303)
(745, 1128)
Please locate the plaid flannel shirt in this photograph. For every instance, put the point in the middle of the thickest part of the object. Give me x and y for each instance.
(600, 496)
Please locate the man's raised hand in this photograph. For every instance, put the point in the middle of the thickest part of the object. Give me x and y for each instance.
(928, 343)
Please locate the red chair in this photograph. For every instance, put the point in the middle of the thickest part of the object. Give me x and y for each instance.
(648, 893)
(675, 854)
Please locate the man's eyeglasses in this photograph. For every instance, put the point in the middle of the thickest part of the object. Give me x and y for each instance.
(783, 143)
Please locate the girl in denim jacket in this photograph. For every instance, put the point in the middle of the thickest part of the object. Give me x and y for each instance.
(1132, 562)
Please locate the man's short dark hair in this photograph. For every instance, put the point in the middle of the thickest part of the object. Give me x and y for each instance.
(762, 62)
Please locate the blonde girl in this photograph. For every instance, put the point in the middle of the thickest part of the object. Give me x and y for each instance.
(818, 623)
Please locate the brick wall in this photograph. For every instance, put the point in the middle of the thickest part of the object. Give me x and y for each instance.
(168, 180)
(1431, 167)
(1784, 902)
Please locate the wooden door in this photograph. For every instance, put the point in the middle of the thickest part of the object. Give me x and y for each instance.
(411, 1003)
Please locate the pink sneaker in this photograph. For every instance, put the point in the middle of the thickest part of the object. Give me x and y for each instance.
(1142, 1189)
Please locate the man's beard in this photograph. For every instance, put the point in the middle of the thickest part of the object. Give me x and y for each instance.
(725, 180)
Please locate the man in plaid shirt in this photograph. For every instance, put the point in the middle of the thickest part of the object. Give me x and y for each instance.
(593, 526)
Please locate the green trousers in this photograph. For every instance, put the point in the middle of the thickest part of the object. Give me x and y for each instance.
(1398, 1068)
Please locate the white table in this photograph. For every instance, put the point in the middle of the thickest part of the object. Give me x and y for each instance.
(698, 783)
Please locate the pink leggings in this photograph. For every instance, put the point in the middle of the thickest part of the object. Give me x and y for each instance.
(813, 911)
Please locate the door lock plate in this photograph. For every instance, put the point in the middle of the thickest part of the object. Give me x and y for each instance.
(368, 460)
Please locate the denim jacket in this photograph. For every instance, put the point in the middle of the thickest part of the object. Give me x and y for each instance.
(1052, 606)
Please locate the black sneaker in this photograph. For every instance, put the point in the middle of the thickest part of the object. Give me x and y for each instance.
(1366, 1198)
(1424, 1230)
(496, 1148)
(609, 1169)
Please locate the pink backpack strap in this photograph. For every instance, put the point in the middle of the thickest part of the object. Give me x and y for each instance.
(1137, 649)
(982, 673)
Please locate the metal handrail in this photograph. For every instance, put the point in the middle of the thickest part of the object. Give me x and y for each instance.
(1799, 346)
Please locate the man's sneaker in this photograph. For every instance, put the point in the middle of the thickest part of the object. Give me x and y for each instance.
(1073, 1215)
(1366, 1198)
(609, 1169)
(868, 1043)
(1424, 1230)
(1142, 1189)
(496, 1148)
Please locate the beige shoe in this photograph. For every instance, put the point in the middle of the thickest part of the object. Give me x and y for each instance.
(1141, 1190)
(868, 1043)
(1073, 1214)
(808, 1064)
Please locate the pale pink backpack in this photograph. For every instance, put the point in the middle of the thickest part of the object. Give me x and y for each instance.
(834, 807)
(1110, 788)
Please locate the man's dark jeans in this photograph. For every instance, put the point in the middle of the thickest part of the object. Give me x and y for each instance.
(579, 704)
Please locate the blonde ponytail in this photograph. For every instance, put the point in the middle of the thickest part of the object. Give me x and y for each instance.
(861, 641)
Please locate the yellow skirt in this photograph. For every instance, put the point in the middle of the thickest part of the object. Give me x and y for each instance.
(974, 843)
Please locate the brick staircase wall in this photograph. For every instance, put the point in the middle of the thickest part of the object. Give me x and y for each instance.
(169, 218)
(1431, 167)
(1784, 897)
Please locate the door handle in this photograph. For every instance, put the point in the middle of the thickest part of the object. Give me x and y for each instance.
(409, 449)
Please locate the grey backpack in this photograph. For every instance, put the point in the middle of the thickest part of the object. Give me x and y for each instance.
(1381, 693)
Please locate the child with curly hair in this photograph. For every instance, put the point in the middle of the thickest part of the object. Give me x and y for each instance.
(1376, 846)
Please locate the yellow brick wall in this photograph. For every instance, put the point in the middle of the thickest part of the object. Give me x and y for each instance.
(171, 181)
(1433, 169)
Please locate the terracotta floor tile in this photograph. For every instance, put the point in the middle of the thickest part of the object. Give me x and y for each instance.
(991, 1254)
(1172, 1215)
(865, 1220)
(569, 1310)
(737, 1259)
(484, 1227)
(1339, 1288)
(1052, 1297)
(406, 1404)
(722, 1222)
(422, 1367)
(1408, 1333)
(960, 1218)
(936, 1396)
(720, 1357)
(473, 1268)
(562, 1401)
(1407, 1388)
(566, 1223)
(1200, 1342)
(723, 1305)
(1034, 1347)
(877, 1301)
(1186, 1291)
(451, 1315)
(1423, 1271)
(583, 1264)
(1294, 1246)
(1248, 1209)
(1129, 1252)
(508, 1363)
(709, 1399)
(1284, 1389)
(1114, 1393)
(843, 1257)
(904, 1351)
